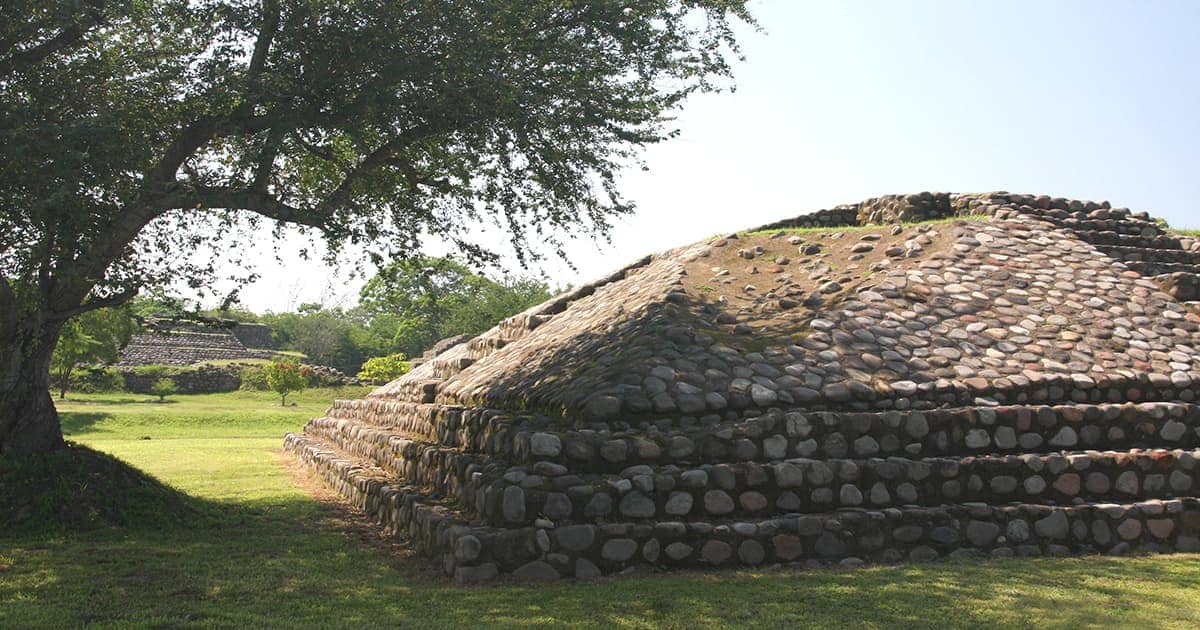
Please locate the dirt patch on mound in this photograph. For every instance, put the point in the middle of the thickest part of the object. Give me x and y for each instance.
(771, 285)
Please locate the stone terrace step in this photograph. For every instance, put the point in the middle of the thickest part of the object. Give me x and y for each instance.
(1130, 254)
(501, 495)
(1127, 226)
(777, 434)
(468, 428)
(1160, 268)
(445, 470)
(1127, 240)
(750, 489)
(1183, 286)
(423, 517)
(951, 431)
(473, 553)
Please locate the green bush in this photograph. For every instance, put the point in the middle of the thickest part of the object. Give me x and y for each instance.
(156, 370)
(253, 378)
(98, 380)
(162, 388)
(285, 377)
(386, 368)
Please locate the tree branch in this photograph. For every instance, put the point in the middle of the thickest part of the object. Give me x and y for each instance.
(66, 38)
(266, 35)
(257, 201)
(8, 308)
(115, 299)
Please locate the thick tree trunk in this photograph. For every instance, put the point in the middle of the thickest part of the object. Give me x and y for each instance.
(28, 421)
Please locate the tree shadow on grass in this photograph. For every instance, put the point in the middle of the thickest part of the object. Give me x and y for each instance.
(79, 422)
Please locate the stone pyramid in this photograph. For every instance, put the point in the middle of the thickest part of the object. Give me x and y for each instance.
(906, 378)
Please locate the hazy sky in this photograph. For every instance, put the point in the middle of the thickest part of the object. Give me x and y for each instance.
(840, 101)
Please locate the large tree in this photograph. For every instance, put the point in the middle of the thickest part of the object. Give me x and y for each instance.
(133, 132)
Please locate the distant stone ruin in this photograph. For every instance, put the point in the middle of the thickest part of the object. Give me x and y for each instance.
(178, 341)
(1021, 383)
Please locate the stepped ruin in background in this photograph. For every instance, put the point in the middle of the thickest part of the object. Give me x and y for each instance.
(169, 341)
(1020, 382)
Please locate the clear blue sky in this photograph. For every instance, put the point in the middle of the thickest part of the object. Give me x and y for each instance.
(840, 101)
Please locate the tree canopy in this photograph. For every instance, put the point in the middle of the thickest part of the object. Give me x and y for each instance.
(135, 132)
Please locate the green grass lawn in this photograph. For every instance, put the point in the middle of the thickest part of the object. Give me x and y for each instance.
(266, 553)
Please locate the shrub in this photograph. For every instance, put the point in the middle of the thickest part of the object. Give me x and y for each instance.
(253, 378)
(284, 377)
(97, 379)
(156, 370)
(162, 388)
(386, 368)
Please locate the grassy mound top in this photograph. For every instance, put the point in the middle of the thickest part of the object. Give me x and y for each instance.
(78, 488)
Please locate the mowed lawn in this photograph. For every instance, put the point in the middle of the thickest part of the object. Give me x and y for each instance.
(264, 553)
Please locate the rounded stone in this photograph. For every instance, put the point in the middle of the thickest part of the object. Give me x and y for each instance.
(637, 505)
(678, 504)
(978, 438)
(908, 533)
(1053, 526)
(1097, 483)
(678, 551)
(717, 502)
(1005, 438)
(545, 444)
(1161, 527)
(1017, 530)
(1129, 529)
(603, 407)
(599, 505)
(787, 547)
(575, 537)
(614, 450)
(536, 571)
(922, 553)
(774, 447)
(751, 552)
(1172, 430)
(1127, 483)
(944, 535)
(586, 569)
(716, 552)
(917, 426)
(513, 504)
(829, 546)
(753, 501)
(982, 533)
(1180, 481)
(1065, 438)
(558, 505)
(472, 575)
(788, 475)
(694, 478)
(618, 549)
(650, 550)
(850, 495)
(467, 548)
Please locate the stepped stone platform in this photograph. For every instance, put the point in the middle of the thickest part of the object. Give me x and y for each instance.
(169, 341)
(907, 378)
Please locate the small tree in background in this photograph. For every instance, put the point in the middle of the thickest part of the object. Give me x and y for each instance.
(386, 368)
(285, 377)
(162, 388)
(92, 337)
